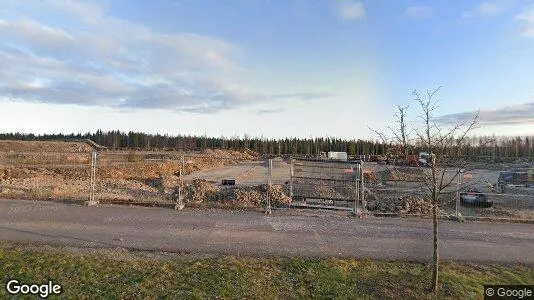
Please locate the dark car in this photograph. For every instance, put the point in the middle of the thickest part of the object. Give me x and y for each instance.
(473, 197)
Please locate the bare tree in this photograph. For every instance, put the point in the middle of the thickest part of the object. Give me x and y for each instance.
(399, 135)
(442, 142)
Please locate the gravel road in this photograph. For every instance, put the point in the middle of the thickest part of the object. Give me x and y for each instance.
(294, 233)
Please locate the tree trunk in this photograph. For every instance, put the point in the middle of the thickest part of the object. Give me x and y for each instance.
(435, 267)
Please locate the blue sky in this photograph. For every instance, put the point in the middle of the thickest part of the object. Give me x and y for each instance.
(268, 68)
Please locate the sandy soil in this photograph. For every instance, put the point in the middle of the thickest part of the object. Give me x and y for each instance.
(60, 170)
(42, 146)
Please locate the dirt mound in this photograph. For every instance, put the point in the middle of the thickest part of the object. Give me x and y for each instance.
(210, 159)
(8, 173)
(202, 191)
(44, 146)
(139, 170)
(77, 165)
(404, 174)
(326, 192)
(57, 175)
(279, 194)
(44, 158)
(410, 204)
(370, 177)
(230, 154)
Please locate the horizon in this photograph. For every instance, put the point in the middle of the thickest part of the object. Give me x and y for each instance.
(296, 69)
(245, 136)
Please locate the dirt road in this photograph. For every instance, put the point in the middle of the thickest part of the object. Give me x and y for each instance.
(248, 233)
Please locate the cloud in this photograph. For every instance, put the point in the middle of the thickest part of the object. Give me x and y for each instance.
(485, 9)
(349, 10)
(520, 114)
(526, 18)
(302, 96)
(418, 12)
(270, 111)
(92, 58)
(86, 11)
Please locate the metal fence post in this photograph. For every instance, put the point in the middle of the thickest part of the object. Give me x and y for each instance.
(355, 209)
(291, 179)
(457, 203)
(92, 200)
(181, 204)
(362, 196)
(269, 183)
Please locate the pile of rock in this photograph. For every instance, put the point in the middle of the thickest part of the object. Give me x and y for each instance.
(404, 174)
(408, 205)
(279, 194)
(325, 191)
(371, 177)
(200, 190)
(203, 191)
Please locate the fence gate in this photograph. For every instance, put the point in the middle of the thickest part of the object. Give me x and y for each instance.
(328, 184)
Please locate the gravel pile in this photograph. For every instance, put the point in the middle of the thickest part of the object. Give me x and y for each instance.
(371, 177)
(404, 174)
(202, 191)
(410, 204)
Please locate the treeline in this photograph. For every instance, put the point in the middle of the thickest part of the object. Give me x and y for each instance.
(115, 140)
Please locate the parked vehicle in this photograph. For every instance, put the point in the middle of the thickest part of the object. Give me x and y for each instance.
(423, 159)
(338, 156)
(473, 197)
(516, 177)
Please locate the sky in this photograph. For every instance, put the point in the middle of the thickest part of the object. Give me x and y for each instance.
(264, 68)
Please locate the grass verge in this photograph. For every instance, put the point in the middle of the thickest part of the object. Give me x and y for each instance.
(116, 274)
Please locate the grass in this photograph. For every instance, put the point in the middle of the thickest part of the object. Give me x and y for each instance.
(116, 274)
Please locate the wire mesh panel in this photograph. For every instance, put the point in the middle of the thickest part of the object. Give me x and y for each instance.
(402, 191)
(211, 179)
(484, 193)
(325, 183)
(45, 175)
(279, 179)
(225, 179)
(145, 178)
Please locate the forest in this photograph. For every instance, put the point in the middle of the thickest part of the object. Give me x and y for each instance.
(503, 146)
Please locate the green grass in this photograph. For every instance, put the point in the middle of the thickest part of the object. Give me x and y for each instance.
(119, 275)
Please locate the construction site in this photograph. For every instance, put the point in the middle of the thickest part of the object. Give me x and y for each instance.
(79, 172)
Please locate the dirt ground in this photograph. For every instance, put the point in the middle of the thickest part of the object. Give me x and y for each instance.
(44, 146)
(62, 171)
(39, 171)
(391, 182)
